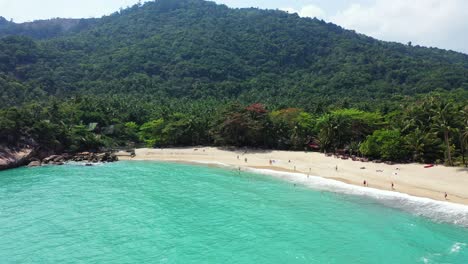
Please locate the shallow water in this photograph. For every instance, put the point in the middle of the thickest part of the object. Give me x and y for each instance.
(149, 212)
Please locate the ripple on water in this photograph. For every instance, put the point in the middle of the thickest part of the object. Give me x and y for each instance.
(149, 212)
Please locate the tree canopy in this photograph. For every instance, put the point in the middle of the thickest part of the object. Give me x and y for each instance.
(190, 72)
(196, 49)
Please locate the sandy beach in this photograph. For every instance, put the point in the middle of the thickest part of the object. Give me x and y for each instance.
(412, 179)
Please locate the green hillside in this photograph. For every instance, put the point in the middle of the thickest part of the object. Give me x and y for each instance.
(195, 57)
(196, 49)
(43, 29)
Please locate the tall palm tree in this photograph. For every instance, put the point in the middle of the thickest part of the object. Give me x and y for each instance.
(327, 132)
(415, 142)
(464, 134)
(444, 121)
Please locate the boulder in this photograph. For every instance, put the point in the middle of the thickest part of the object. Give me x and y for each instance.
(12, 158)
(83, 154)
(59, 158)
(113, 158)
(35, 163)
(102, 157)
(49, 159)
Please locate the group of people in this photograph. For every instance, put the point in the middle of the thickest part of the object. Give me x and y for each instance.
(365, 182)
(245, 159)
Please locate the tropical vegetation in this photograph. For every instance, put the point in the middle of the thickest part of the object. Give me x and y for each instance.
(191, 72)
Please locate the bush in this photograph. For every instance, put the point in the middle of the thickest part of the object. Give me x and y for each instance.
(384, 144)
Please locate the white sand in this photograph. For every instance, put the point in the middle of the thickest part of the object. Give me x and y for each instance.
(411, 179)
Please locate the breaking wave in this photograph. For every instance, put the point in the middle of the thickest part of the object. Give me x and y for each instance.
(438, 211)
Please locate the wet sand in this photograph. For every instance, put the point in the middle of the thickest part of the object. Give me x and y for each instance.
(411, 179)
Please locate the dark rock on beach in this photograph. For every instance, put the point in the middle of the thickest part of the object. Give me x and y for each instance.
(35, 163)
(21, 156)
(95, 157)
(15, 157)
(81, 157)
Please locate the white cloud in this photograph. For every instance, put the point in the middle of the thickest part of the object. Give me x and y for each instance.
(441, 23)
(433, 23)
(28, 10)
(307, 11)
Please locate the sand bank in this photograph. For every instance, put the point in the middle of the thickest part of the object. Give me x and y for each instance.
(412, 179)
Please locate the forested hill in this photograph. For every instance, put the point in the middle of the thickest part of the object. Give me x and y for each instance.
(198, 49)
(190, 72)
(44, 29)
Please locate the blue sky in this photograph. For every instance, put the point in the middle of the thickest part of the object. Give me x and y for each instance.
(435, 23)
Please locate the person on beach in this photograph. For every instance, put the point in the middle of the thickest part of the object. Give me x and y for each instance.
(365, 183)
(237, 156)
(245, 160)
(336, 168)
(393, 186)
(445, 196)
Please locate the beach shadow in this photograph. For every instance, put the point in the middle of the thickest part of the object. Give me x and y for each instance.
(246, 150)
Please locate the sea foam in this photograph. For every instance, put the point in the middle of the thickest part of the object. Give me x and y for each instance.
(438, 211)
(456, 247)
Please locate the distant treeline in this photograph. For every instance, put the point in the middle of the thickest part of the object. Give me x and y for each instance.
(195, 49)
(190, 72)
(432, 129)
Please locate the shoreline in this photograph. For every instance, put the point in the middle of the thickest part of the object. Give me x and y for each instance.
(411, 179)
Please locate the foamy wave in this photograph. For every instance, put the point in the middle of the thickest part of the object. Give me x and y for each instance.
(85, 164)
(212, 163)
(425, 260)
(437, 210)
(456, 247)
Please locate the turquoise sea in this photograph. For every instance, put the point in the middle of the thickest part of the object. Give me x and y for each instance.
(152, 212)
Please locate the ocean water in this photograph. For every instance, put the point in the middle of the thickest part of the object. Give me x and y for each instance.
(151, 212)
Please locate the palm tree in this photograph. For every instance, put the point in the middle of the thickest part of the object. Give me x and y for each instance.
(444, 121)
(415, 141)
(421, 144)
(327, 132)
(464, 134)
